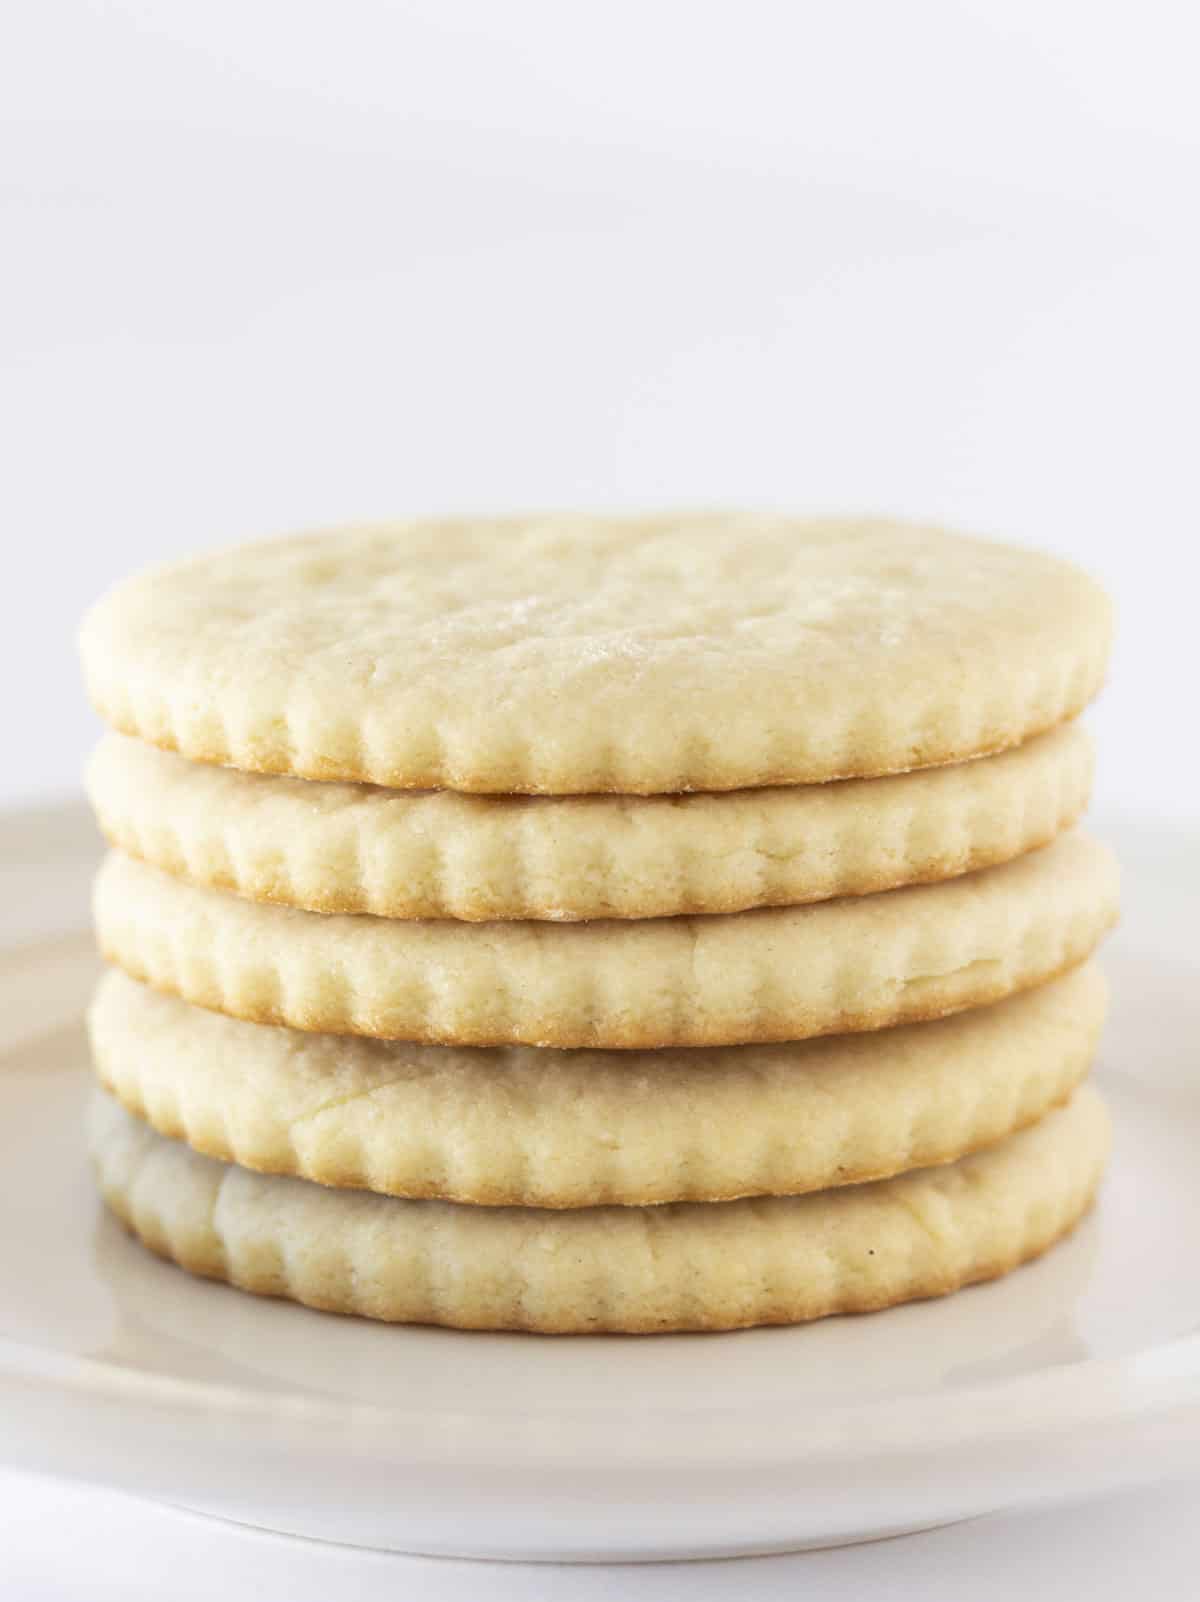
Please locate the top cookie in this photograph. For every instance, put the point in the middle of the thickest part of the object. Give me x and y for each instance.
(565, 655)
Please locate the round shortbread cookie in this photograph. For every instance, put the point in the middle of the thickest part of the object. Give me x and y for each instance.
(684, 1266)
(530, 1127)
(439, 854)
(568, 654)
(775, 974)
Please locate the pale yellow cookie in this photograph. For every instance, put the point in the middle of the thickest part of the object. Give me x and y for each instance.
(570, 654)
(685, 1266)
(439, 854)
(776, 974)
(542, 1128)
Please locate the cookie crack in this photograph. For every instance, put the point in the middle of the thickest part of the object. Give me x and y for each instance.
(978, 969)
(345, 1101)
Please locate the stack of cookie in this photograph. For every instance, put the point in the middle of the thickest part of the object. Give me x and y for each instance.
(581, 924)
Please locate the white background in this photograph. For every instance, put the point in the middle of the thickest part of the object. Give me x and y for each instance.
(269, 265)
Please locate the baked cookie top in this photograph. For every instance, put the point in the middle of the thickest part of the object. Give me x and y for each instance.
(690, 1265)
(533, 1127)
(439, 854)
(573, 654)
(778, 973)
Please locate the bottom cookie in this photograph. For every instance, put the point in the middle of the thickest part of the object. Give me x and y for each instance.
(681, 1266)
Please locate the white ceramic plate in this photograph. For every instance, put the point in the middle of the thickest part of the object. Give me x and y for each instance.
(1079, 1372)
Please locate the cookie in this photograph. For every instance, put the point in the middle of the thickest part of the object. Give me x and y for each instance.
(775, 974)
(439, 854)
(567, 654)
(684, 1266)
(521, 1126)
